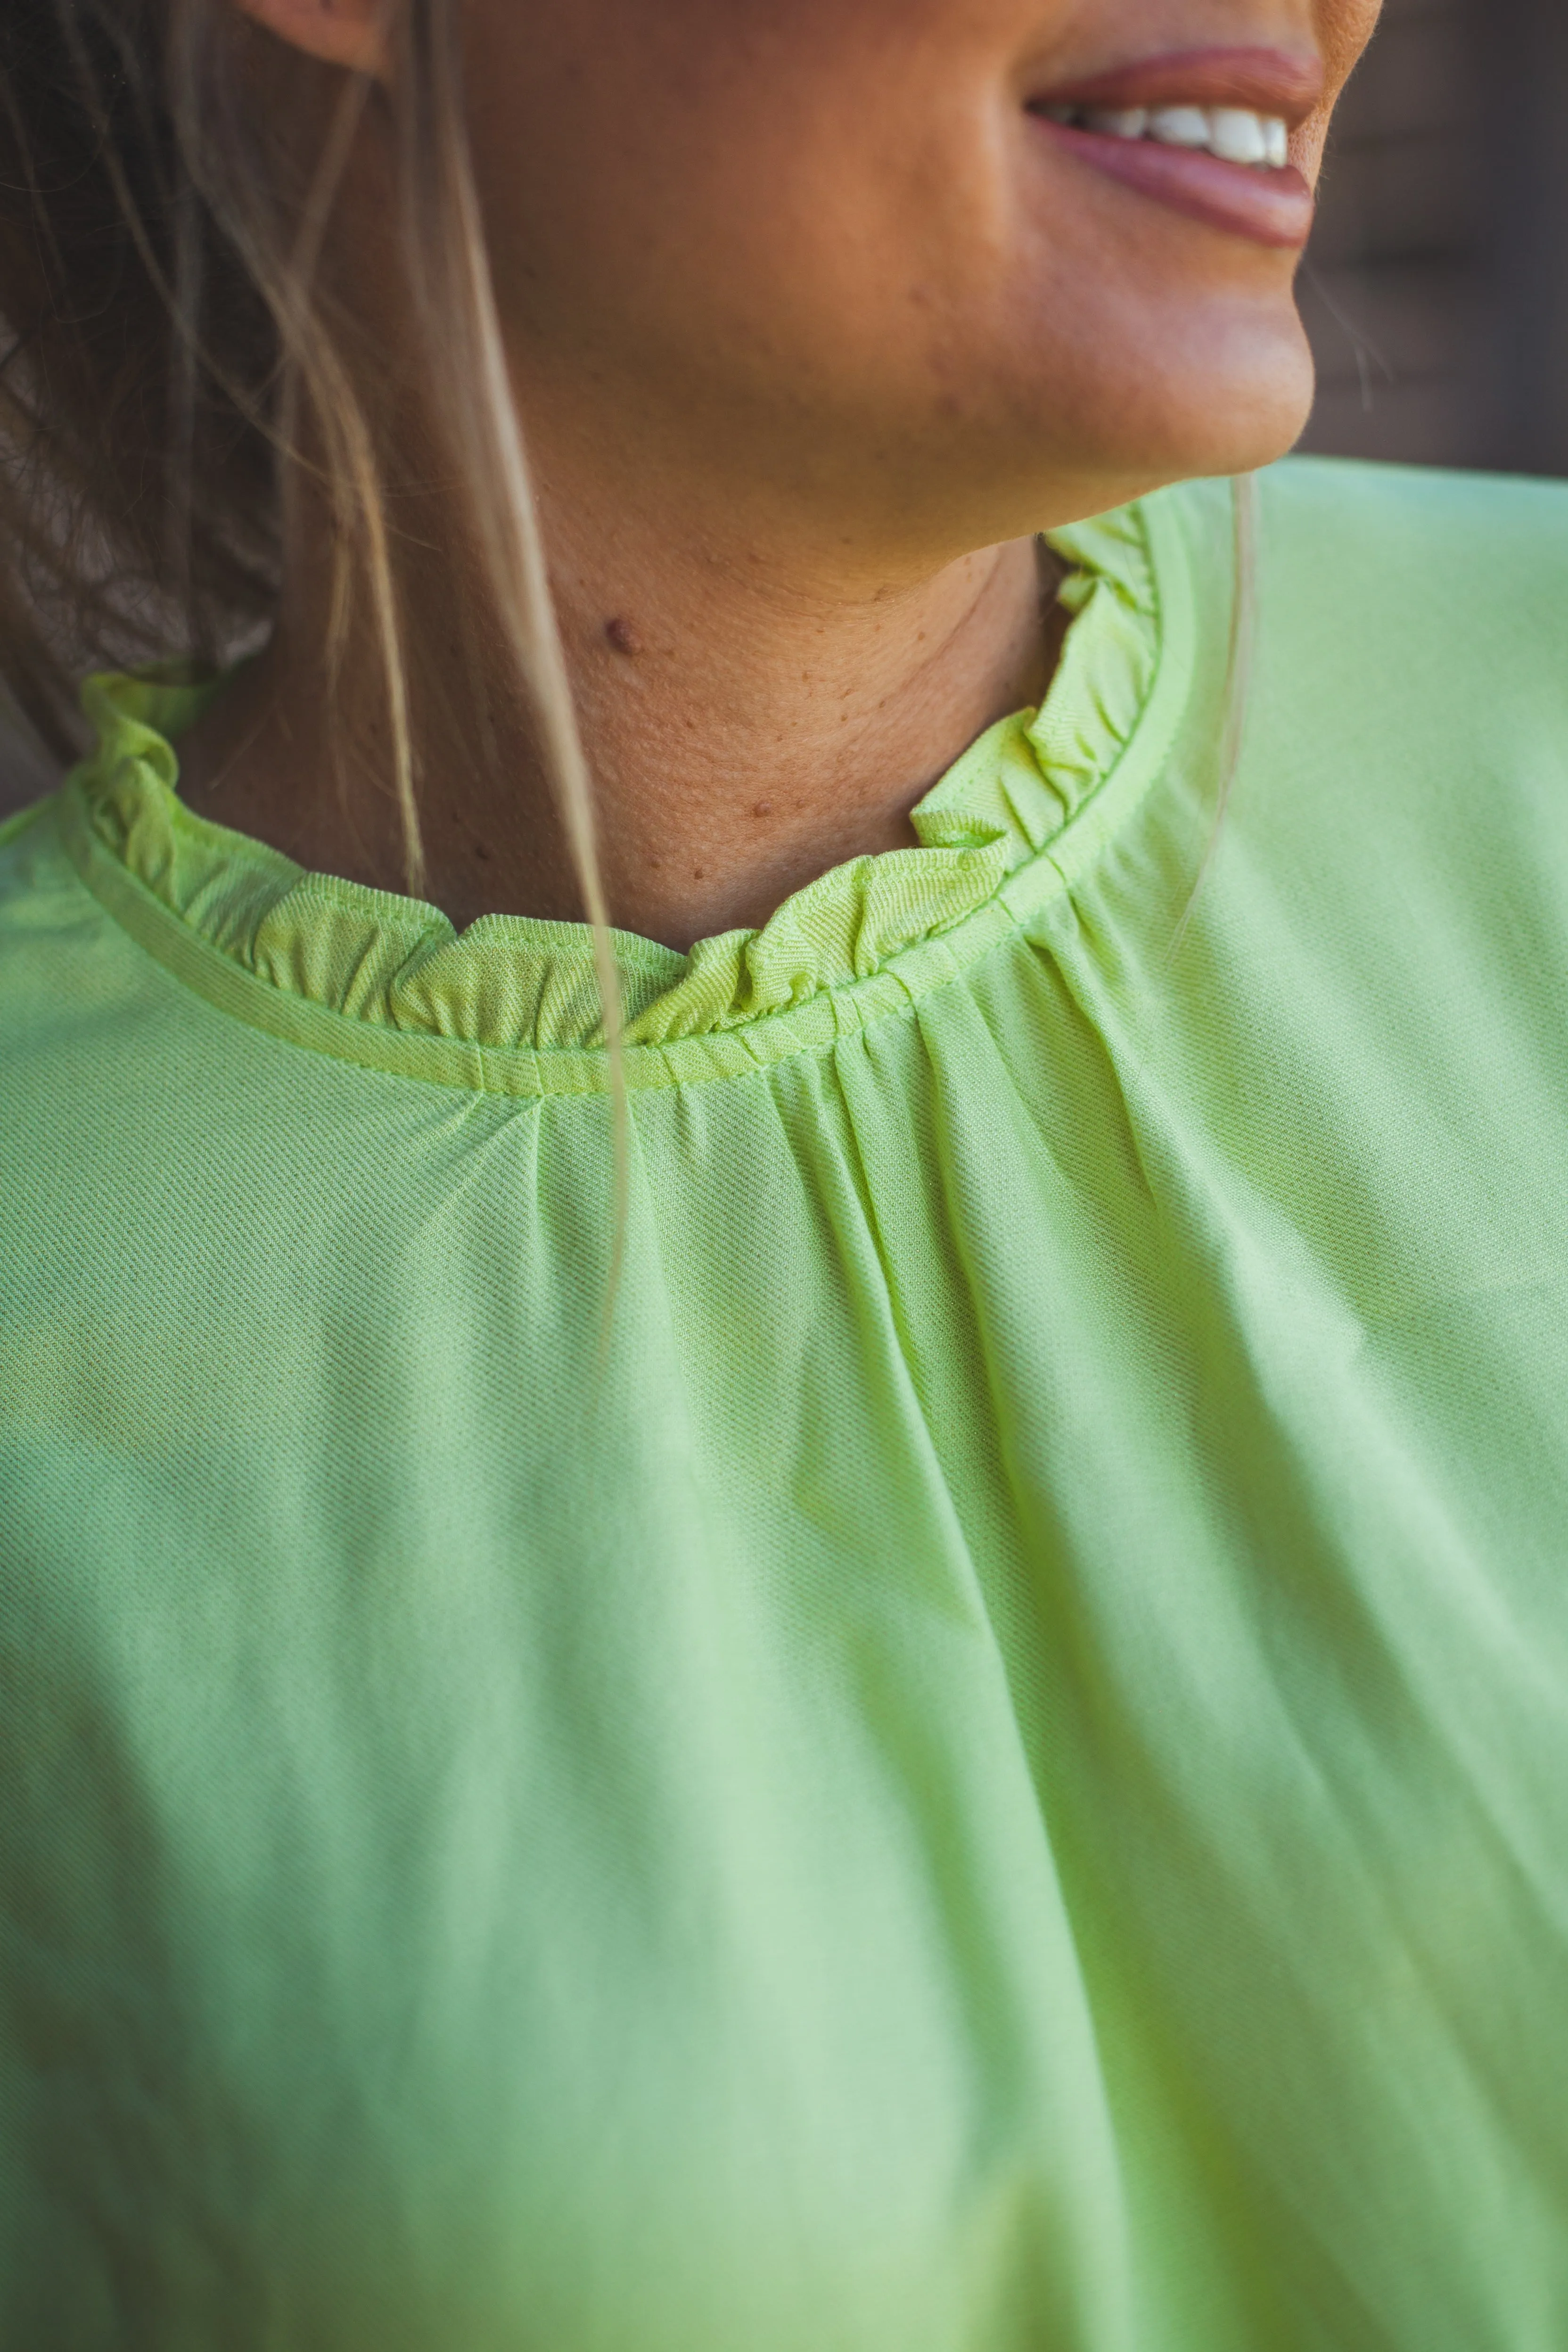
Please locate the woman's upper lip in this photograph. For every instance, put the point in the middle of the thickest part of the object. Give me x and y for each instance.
(1283, 82)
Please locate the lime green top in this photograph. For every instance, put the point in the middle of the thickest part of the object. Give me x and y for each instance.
(990, 1772)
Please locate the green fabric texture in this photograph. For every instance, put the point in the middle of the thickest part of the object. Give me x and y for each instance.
(989, 1771)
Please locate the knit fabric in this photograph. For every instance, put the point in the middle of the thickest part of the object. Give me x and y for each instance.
(984, 1767)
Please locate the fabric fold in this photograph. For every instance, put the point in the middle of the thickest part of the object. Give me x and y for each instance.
(510, 981)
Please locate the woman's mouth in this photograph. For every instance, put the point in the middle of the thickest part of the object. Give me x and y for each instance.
(1207, 134)
(1261, 142)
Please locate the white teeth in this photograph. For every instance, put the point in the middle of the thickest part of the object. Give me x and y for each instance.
(1124, 122)
(1234, 133)
(1181, 126)
(1236, 136)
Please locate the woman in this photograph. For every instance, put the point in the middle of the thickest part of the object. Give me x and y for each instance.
(885, 1668)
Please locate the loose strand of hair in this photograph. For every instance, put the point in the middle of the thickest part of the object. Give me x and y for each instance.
(1238, 662)
(490, 447)
(149, 105)
(316, 378)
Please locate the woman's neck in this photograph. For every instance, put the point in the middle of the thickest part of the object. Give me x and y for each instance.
(749, 722)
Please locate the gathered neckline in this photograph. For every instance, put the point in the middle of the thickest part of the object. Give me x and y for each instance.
(512, 1004)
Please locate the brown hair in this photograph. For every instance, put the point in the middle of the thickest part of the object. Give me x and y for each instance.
(167, 323)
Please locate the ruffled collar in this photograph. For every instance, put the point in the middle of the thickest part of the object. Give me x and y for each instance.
(508, 985)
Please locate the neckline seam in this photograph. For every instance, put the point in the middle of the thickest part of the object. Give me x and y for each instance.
(510, 1072)
(812, 1025)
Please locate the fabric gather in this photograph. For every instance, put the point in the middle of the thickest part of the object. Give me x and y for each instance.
(510, 981)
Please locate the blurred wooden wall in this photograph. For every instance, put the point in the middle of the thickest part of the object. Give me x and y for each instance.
(1435, 289)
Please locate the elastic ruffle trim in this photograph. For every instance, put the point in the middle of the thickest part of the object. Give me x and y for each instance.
(509, 982)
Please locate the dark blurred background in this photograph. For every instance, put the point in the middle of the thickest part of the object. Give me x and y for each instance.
(1436, 287)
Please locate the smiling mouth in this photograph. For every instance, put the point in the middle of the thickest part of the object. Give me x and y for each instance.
(1207, 134)
(1234, 133)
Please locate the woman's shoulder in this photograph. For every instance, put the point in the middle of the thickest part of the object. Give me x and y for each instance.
(62, 962)
(1395, 519)
(1472, 567)
(37, 875)
(1411, 628)
(30, 858)
(1484, 557)
(1396, 511)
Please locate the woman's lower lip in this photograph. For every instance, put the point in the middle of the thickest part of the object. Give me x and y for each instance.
(1272, 208)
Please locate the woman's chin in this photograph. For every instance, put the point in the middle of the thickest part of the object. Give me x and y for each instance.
(1159, 421)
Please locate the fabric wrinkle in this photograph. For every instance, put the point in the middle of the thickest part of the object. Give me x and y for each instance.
(985, 1769)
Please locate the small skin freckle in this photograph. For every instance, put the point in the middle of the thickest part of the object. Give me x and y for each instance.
(696, 873)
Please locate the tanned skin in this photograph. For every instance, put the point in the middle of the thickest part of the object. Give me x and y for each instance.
(811, 326)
